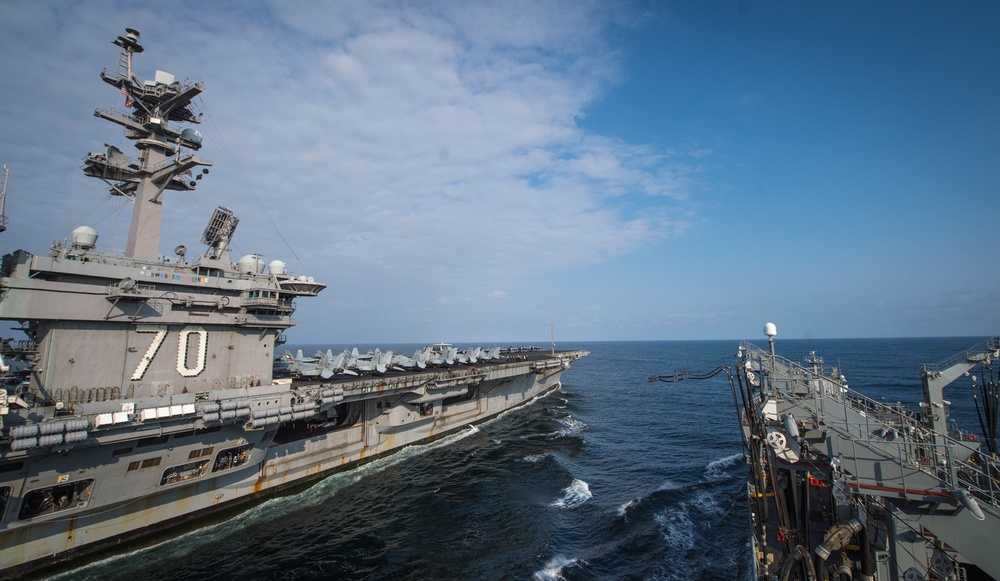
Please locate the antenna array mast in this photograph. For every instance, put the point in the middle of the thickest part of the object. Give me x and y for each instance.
(3, 198)
(154, 107)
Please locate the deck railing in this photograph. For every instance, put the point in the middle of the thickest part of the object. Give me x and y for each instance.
(992, 344)
(891, 430)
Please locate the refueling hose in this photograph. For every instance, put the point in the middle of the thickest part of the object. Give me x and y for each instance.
(799, 555)
(837, 537)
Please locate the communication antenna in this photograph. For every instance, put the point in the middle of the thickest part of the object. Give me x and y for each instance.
(770, 330)
(3, 198)
(129, 43)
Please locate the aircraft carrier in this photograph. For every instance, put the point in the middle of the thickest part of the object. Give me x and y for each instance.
(143, 395)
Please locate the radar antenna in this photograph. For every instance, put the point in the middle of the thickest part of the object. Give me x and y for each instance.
(219, 232)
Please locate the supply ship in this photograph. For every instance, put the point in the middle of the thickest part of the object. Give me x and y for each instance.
(844, 487)
(144, 395)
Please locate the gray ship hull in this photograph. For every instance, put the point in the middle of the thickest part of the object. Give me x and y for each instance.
(126, 501)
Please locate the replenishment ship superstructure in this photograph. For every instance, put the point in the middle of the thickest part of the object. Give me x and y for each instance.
(844, 487)
(144, 395)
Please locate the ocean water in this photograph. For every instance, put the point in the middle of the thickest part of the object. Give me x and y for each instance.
(611, 477)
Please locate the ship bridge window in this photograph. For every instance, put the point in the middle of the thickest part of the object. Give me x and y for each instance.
(184, 472)
(232, 457)
(55, 498)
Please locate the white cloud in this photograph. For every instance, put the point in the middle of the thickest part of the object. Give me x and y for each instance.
(430, 151)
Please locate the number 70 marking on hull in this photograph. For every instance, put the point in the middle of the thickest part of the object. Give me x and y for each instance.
(182, 350)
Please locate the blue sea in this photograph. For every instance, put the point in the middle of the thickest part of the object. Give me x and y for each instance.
(611, 477)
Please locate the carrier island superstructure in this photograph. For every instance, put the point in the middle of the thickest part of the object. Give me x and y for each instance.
(844, 487)
(143, 394)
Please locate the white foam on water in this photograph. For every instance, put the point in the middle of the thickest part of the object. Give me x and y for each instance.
(670, 485)
(666, 486)
(681, 528)
(577, 493)
(716, 469)
(573, 426)
(624, 508)
(552, 571)
(684, 523)
(677, 528)
(707, 504)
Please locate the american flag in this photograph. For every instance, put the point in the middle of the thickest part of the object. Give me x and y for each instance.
(128, 97)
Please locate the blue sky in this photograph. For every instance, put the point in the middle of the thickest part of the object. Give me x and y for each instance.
(479, 171)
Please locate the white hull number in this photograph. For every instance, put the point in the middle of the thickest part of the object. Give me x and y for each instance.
(201, 350)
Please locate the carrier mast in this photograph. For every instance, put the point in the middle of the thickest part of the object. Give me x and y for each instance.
(152, 105)
(3, 198)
